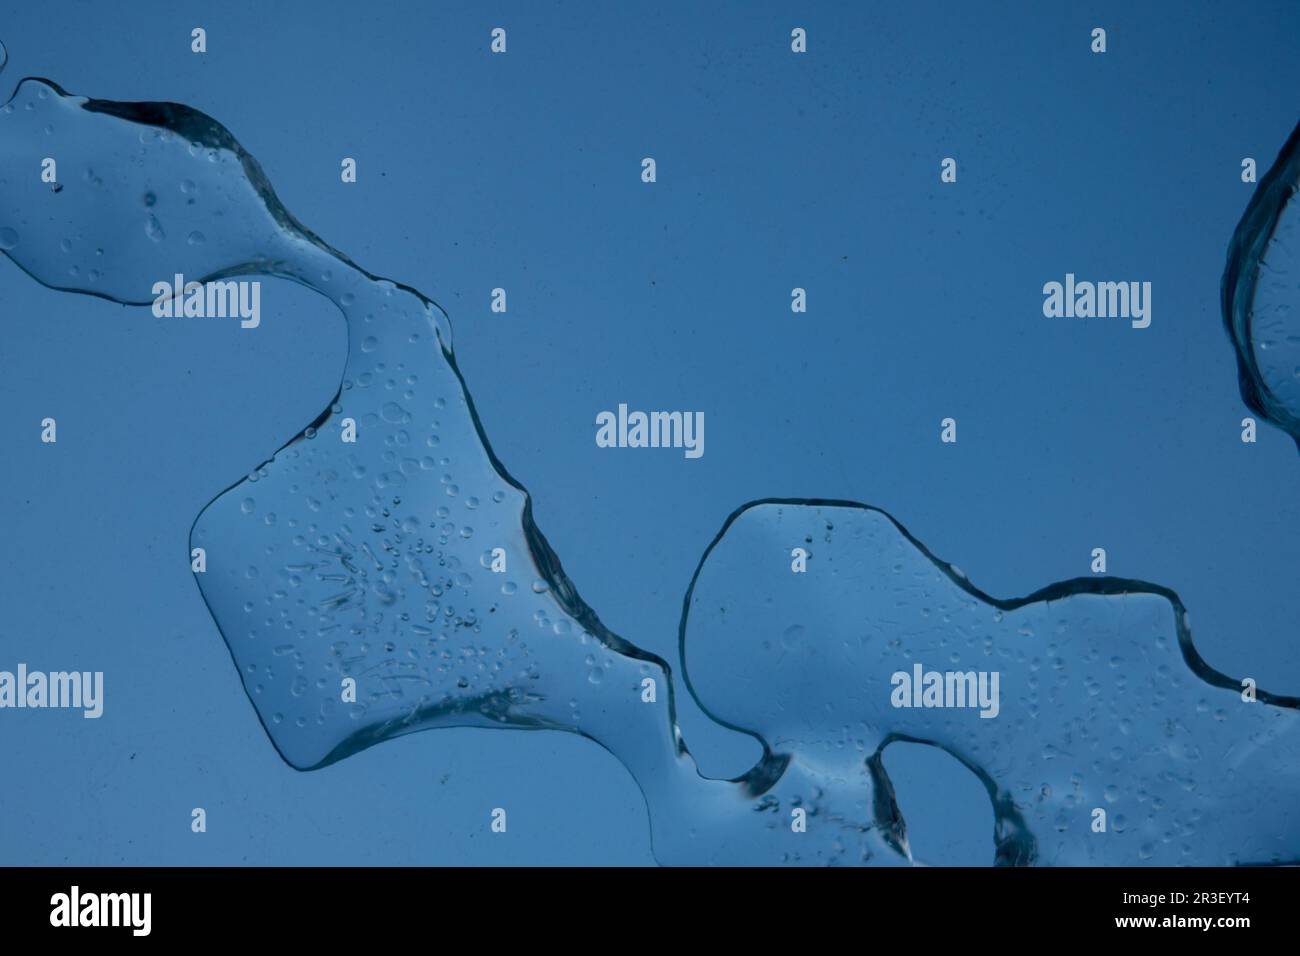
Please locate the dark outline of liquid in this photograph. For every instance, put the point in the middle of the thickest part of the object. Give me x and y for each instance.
(1249, 242)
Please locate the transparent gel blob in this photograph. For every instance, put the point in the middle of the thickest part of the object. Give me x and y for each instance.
(354, 582)
(1103, 702)
(1261, 294)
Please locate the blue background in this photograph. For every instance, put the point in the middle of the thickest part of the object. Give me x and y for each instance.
(523, 171)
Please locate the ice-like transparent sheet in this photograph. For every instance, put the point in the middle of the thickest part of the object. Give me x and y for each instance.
(1261, 293)
(371, 561)
(1103, 700)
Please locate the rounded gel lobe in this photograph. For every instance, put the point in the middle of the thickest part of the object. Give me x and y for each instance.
(1097, 708)
(1261, 293)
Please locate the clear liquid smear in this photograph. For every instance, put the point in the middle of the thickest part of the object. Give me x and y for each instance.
(371, 561)
(1261, 294)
